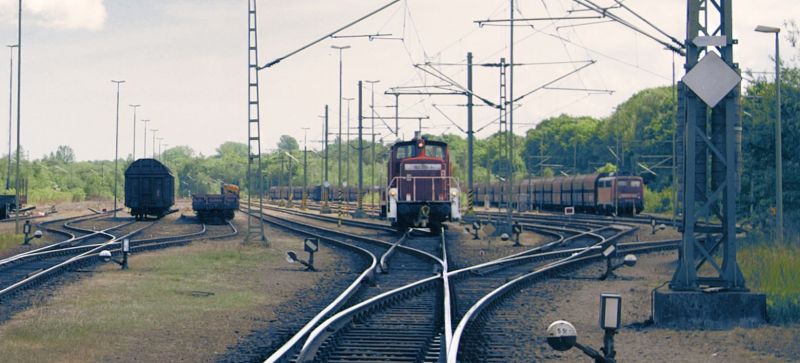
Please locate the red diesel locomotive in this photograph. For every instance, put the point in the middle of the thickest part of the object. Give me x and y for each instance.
(421, 193)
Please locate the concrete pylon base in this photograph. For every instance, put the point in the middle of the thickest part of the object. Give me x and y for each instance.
(708, 310)
(326, 209)
(359, 213)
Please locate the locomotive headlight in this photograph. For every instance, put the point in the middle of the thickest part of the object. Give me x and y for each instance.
(393, 192)
(454, 192)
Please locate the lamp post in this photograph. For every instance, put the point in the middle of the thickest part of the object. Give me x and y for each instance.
(372, 167)
(144, 138)
(19, 113)
(339, 141)
(164, 153)
(154, 142)
(158, 154)
(359, 213)
(133, 155)
(347, 153)
(116, 148)
(10, 109)
(305, 167)
(778, 151)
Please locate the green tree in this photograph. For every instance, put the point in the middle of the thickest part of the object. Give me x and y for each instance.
(288, 143)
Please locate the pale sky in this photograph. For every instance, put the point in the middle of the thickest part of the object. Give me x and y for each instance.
(185, 62)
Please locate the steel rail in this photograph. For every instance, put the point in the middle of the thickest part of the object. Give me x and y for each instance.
(46, 253)
(570, 258)
(280, 354)
(487, 299)
(384, 265)
(448, 302)
(93, 252)
(341, 319)
(349, 222)
(71, 241)
(494, 265)
(349, 235)
(366, 275)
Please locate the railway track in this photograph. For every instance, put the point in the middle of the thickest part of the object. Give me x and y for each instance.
(81, 249)
(410, 323)
(414, 320)
(331, 218)
(483, 333)
(581, 217)
(386, 265)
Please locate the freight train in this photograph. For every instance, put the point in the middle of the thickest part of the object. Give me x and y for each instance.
(217, 208)
(149, 189)
(348, 194)
(421, 191)
(594, 193)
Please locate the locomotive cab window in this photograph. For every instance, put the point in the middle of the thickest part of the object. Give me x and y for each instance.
(636, 184)
(433, 151)
(405, 151)
(622, 183)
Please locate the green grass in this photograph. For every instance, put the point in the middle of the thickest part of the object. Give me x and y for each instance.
(177, 290)
(10, 240)
(775, 271)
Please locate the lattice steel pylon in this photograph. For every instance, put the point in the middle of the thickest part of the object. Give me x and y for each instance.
(708, 143)
(502, 146)
(255, 181)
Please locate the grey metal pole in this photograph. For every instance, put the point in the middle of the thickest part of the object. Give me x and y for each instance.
(470, 131)
(144, 138)
(397, 115)
(360, 209)
(305, 163)
(372, 166)
(133, 155)
(674, 146)
(511, 113)
(325, 196)
(154, 142)
(10, 109)
(116, 149)
(778, 146)
(325, 174)
(19, 93)
(339, 140)
(322, 152)
(778, 130)
(347, 148)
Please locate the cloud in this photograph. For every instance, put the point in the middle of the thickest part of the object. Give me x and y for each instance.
(58, 14)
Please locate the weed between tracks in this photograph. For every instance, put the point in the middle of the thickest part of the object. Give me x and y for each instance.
(773, 270)
(10, 240)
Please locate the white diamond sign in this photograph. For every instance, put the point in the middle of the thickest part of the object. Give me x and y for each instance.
(711, 79)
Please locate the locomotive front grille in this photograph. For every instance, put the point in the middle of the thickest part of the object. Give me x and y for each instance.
(423, 188)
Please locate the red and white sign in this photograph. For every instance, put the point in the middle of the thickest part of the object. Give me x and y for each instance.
(569, 211)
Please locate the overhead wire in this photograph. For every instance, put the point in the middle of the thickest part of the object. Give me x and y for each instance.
(408, 17)
(591, 5)
(563, 44)
(579, 40)
(673, 39)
